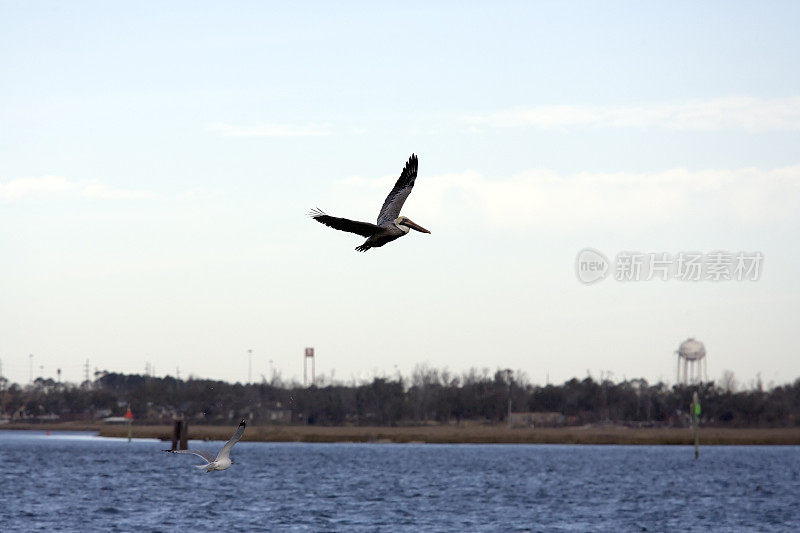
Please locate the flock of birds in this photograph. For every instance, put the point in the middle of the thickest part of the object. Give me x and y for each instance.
(390, 226)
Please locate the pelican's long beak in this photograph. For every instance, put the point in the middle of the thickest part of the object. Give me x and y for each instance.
(415, 226)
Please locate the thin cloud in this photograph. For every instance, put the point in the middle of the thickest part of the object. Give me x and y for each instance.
(21, 188)
(732, 113)
(100, 191)
(542, 199)
(198, 193)
(270, 130)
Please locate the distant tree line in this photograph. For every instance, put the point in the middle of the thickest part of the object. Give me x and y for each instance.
(428, 396)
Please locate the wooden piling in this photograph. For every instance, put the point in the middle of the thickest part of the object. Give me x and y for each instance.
(180, 434)
(184, 435)
(176, 431)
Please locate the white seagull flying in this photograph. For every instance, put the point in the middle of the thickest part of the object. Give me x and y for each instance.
(223, 459)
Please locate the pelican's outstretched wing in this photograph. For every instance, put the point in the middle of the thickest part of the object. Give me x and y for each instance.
(225, 452)
(205, 455)
(394, 202)
(365, 229)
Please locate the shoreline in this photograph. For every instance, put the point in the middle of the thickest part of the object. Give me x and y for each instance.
(447, 434)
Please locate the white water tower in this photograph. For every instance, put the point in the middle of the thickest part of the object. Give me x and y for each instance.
(692, 359)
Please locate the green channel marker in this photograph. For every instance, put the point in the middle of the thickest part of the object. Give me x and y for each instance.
(695, 410)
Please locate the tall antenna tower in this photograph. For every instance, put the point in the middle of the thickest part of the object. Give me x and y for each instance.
(30, 364)
(249, 366)
(86, 372)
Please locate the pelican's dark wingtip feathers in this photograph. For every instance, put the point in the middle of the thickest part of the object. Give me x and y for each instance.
(402, 188)
(365, 229)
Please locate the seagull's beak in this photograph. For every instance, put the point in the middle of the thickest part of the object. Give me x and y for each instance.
(415, 226)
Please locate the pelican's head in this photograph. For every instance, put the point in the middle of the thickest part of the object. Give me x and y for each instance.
(404, 223)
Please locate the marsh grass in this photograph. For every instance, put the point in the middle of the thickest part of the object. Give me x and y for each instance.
(478, 434)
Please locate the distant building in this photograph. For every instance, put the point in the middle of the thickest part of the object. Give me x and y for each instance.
(278, 415)
(537, 419)
(102, 413)
(75, 417)
(115, 420)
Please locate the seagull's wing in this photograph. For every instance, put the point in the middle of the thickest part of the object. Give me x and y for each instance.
(365, 229)
(397, 197)
(205, 455)
(225, 452)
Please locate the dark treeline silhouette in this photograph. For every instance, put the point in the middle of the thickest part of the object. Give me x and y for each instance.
(429, 396)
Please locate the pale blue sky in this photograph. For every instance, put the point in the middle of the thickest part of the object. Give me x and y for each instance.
(156, 164)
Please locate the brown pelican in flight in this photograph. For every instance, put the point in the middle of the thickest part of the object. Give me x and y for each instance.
(390, 224)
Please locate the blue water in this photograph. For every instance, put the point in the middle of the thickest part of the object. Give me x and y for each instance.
(83, 483)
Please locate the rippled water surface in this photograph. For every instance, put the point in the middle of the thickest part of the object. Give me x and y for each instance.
(79, 482)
